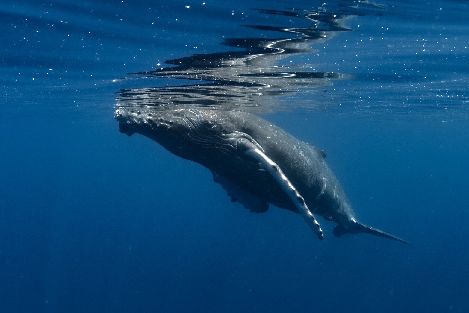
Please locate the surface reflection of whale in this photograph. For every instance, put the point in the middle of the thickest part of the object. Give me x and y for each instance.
(256, 162)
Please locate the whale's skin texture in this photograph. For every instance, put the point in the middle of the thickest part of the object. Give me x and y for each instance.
(206, 136)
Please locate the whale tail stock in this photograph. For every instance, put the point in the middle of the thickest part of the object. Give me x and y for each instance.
(358, 227)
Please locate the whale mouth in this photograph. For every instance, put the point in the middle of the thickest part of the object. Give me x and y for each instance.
(126, 128)
(127, 120)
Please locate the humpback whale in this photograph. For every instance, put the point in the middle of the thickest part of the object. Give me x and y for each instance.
(256, 162)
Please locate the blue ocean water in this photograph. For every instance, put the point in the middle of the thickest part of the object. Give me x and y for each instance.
(94, 221)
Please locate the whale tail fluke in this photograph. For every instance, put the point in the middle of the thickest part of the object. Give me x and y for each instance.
(358, 227)
(380, 233)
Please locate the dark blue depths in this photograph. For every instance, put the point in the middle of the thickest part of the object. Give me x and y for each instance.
(94, 221)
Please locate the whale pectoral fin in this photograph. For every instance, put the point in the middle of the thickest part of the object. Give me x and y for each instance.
(242, 196)
(254, 150)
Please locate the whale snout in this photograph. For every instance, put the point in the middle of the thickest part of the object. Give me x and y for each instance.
(133, 120)
(126, 121)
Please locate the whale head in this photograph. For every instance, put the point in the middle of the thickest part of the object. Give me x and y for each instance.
(142, 120)
(188, 133)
